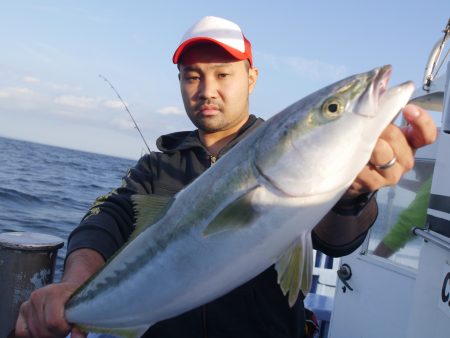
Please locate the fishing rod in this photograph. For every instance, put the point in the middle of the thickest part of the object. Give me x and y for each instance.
(126, 108)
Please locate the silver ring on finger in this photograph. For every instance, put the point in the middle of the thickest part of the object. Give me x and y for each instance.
(386, 165)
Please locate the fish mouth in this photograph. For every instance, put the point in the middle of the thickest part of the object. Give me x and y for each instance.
(381, 80)
(378, 86)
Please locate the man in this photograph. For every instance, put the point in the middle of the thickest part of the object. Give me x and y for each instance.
(216, 75)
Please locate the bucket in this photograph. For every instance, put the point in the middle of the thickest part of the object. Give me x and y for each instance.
(27, 262)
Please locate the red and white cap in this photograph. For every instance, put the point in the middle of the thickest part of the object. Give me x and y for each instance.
(222, 32)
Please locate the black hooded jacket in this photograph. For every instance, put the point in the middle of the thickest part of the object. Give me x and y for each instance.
(255, 309)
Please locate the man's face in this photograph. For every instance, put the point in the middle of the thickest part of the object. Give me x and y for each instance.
(215, 88)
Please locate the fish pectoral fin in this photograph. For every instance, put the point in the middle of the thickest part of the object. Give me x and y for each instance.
(124, 332)
(295, 267)
(234, 216)
(148, 209)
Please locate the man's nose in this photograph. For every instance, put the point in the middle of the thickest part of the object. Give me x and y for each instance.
(208, 88)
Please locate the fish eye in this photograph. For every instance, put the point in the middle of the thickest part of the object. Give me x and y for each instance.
(333, 107)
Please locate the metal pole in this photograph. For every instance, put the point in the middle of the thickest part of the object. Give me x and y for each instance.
(446, 109)
(428, 236)
(27, 262)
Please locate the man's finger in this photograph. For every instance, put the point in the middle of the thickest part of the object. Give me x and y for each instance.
(54, 310)
(421, 129)
(382, 153)
(21, 325)
(76, 333)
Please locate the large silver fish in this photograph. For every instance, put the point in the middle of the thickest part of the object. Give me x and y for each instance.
(255, 207)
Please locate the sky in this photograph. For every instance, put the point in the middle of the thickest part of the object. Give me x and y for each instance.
(52, 53)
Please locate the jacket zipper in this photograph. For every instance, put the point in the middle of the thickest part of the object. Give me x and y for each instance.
(205, 331)
(212, 161)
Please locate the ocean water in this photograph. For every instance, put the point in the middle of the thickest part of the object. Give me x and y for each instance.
(48, 189)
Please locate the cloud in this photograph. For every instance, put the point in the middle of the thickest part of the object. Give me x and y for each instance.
(67, 114)
(31, 79)
(16, 77)
(87, 102)
(16, 99)
(114, 104)
(61, 87)
(81, 102)
(122, 123)
(28, 95)
(16, 92)
(35, 53)
(170, 110)
(312, 69)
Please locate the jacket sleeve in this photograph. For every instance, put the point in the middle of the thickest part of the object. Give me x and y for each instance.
(337, 250)
(360, 224)
(110, 220)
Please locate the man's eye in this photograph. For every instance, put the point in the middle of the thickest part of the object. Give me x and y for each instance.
(223, 75)
(192, 78)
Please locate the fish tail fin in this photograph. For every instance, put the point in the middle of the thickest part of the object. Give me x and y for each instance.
(295, 268)
(124, 332)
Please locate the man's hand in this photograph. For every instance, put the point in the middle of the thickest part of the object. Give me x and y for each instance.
(400, 143)
(394, 141)
(42, 316)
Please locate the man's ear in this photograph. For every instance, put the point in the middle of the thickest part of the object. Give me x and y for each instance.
(252, 78)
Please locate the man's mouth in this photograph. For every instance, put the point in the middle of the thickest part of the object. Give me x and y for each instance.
(209, 110)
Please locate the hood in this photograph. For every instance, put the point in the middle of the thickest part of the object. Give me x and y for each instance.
(184, 140)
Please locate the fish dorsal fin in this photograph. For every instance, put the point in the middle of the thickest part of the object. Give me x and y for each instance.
(295, 268)
(148, 209)
(236, 215)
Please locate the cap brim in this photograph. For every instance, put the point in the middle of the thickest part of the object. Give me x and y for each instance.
(238, 55)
